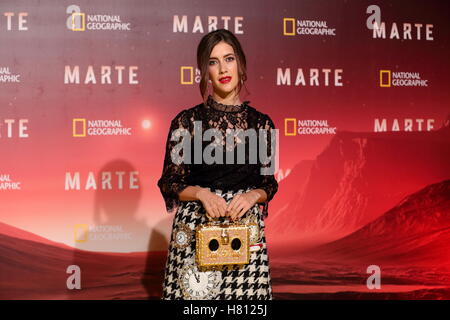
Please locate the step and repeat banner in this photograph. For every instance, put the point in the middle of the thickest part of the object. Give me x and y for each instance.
(357, 89)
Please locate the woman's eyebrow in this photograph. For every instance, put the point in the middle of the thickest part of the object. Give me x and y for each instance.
(223, 56)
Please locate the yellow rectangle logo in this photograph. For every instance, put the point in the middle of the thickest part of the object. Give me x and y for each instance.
(75, 132)
(286, 121)
(83, 21)
(285, 28)
(388, 83)
(81, 232)
(191, 73)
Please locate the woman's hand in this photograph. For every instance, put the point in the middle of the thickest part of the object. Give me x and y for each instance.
(241, 203)
(214, 204)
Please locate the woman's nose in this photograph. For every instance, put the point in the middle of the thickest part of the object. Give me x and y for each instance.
(222, 68)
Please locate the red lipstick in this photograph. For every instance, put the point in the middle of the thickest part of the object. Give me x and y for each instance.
(225, 79)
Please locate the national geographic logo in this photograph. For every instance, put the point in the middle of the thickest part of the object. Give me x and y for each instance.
(81, 232)
(84, 233)
(12, 21)
(199, 24)
(6, 183)
(189, 75)
(80, 21)
(293, 126)
(6, 76)
(294, 27)
(389, 79)
(82, 128)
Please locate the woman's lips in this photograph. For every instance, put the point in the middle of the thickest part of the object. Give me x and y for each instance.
(225, 79)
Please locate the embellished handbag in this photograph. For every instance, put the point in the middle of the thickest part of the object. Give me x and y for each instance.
(219, 244)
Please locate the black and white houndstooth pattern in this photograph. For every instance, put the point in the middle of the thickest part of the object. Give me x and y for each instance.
(251, 281)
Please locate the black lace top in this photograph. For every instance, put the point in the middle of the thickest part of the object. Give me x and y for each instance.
(226, 177)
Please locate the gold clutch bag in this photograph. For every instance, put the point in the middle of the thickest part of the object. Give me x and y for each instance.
(222, 244)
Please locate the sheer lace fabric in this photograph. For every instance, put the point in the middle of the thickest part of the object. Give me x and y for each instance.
(224, 176)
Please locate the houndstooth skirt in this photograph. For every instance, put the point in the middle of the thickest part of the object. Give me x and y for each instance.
(183, 280)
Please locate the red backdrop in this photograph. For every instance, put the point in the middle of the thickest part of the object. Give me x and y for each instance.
(87, 92)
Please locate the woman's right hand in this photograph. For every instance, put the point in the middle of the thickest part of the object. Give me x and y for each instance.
(214, 204)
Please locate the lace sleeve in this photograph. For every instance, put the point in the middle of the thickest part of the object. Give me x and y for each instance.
(174, 174)
(268, 182)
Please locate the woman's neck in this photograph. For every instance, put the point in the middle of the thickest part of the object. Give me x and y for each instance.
(231, 100)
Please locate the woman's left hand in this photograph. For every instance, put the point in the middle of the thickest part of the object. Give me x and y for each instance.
(241, 203)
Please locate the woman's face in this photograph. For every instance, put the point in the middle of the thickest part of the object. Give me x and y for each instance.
(223, 69)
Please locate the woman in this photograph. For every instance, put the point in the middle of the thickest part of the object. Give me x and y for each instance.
(197, 192)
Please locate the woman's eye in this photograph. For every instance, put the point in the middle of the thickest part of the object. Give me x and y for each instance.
(228, 59)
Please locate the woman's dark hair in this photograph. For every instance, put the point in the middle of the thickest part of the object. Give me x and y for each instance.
(204, 49)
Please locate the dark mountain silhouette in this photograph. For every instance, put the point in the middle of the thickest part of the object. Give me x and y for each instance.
(354, 180)
(33, 267)
(290, 188)
(8, 230)
(410, 245)
(415, 232)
